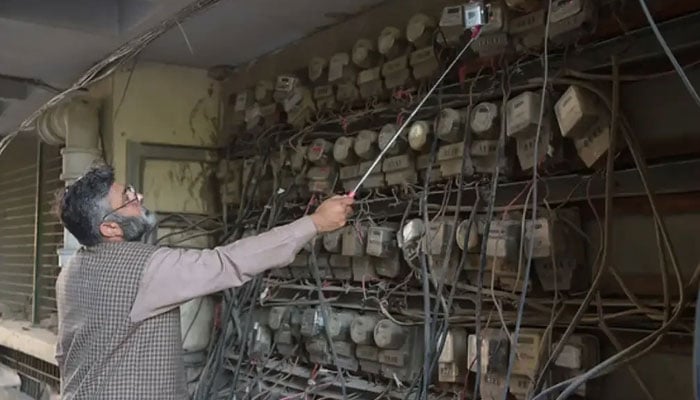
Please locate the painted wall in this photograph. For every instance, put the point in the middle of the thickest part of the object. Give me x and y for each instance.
(163, 104)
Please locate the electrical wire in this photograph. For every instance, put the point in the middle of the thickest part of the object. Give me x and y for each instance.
(669, 53)
(535, 202)
(113, 61)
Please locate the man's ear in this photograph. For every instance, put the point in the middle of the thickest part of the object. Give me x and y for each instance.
(111, 230)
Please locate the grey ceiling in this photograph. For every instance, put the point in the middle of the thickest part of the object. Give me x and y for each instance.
(55, 41)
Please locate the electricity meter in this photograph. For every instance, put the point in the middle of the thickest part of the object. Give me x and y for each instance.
(343, 150)
(400, 170)
(311, 322)
(423, 163)
(472, 240)
(411, 232)
(396, 73)
(347, 92)
(484, 148)
(524, 5)
(562, 9)
(523, 114)
(449, 125)
(284, 88)
(420, 136)
(571, 19)
(389, 335)
(496, 18)
(576, 112)
(450, 157)
(333, 241)
(453, 358)
(475, 15)
(494, 351)
(354, 237)
(593, 146)
(278, 316)
(316, 68)
(424, 63)
(375, 179)
(263, 92)
(419, 31)
(526, 148)
(269, 114)
(493, 44)
(366, 146)
(451, 25)
(386, 134)
(388, 267)
(390, 43)
(339, 324)
(319, 151)
(370, 83)
(503, 239)
(528, 30)
(484, 120)
(528, 360)
(364, 54)
(339, 68)
(324, 96)
(381, 241)
(362, 329)
(321, 179)
(349, 175)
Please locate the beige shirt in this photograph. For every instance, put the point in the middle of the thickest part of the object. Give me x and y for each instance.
(174, 276)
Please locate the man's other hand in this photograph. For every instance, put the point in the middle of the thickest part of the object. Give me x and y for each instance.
(333, 213)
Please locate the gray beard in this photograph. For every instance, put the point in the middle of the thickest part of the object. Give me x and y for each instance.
(135, 228)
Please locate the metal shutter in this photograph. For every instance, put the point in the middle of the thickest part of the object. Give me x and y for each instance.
(51, 231)
(17, 214)
(18, 198)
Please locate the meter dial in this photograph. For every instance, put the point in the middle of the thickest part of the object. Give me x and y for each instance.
(472, 240)
(412, 231)
(366, 144)
(449, 125)
(386, 135)
(419, 136)
(389, 335)
(343, 150)
(364, 54)
(390, 42)
(420, 30)
(484, 120)
(318, 151)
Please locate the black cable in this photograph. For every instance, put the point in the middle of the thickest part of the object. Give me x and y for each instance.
(500, 156)
(326, 318)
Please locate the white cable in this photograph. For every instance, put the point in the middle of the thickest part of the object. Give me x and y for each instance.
(689, 86)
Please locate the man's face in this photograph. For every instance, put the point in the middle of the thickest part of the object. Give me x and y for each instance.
(129, 220)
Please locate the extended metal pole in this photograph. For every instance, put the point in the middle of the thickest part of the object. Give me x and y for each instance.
(376, 161)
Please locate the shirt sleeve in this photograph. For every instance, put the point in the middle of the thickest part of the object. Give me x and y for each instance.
(174, 276)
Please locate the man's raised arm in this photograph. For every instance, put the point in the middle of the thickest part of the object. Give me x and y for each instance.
(174, 276)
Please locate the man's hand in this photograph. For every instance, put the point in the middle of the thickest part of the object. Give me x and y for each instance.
(333, 213)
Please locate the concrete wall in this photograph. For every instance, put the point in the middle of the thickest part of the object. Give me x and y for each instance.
(163, 104)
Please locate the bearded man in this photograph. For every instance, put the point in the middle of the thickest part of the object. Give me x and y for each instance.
(119, 321)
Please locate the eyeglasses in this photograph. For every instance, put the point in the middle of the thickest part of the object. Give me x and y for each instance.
(129, 196)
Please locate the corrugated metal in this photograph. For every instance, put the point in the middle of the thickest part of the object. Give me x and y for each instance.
(52, 231)
(17, 218)
(17, 206)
